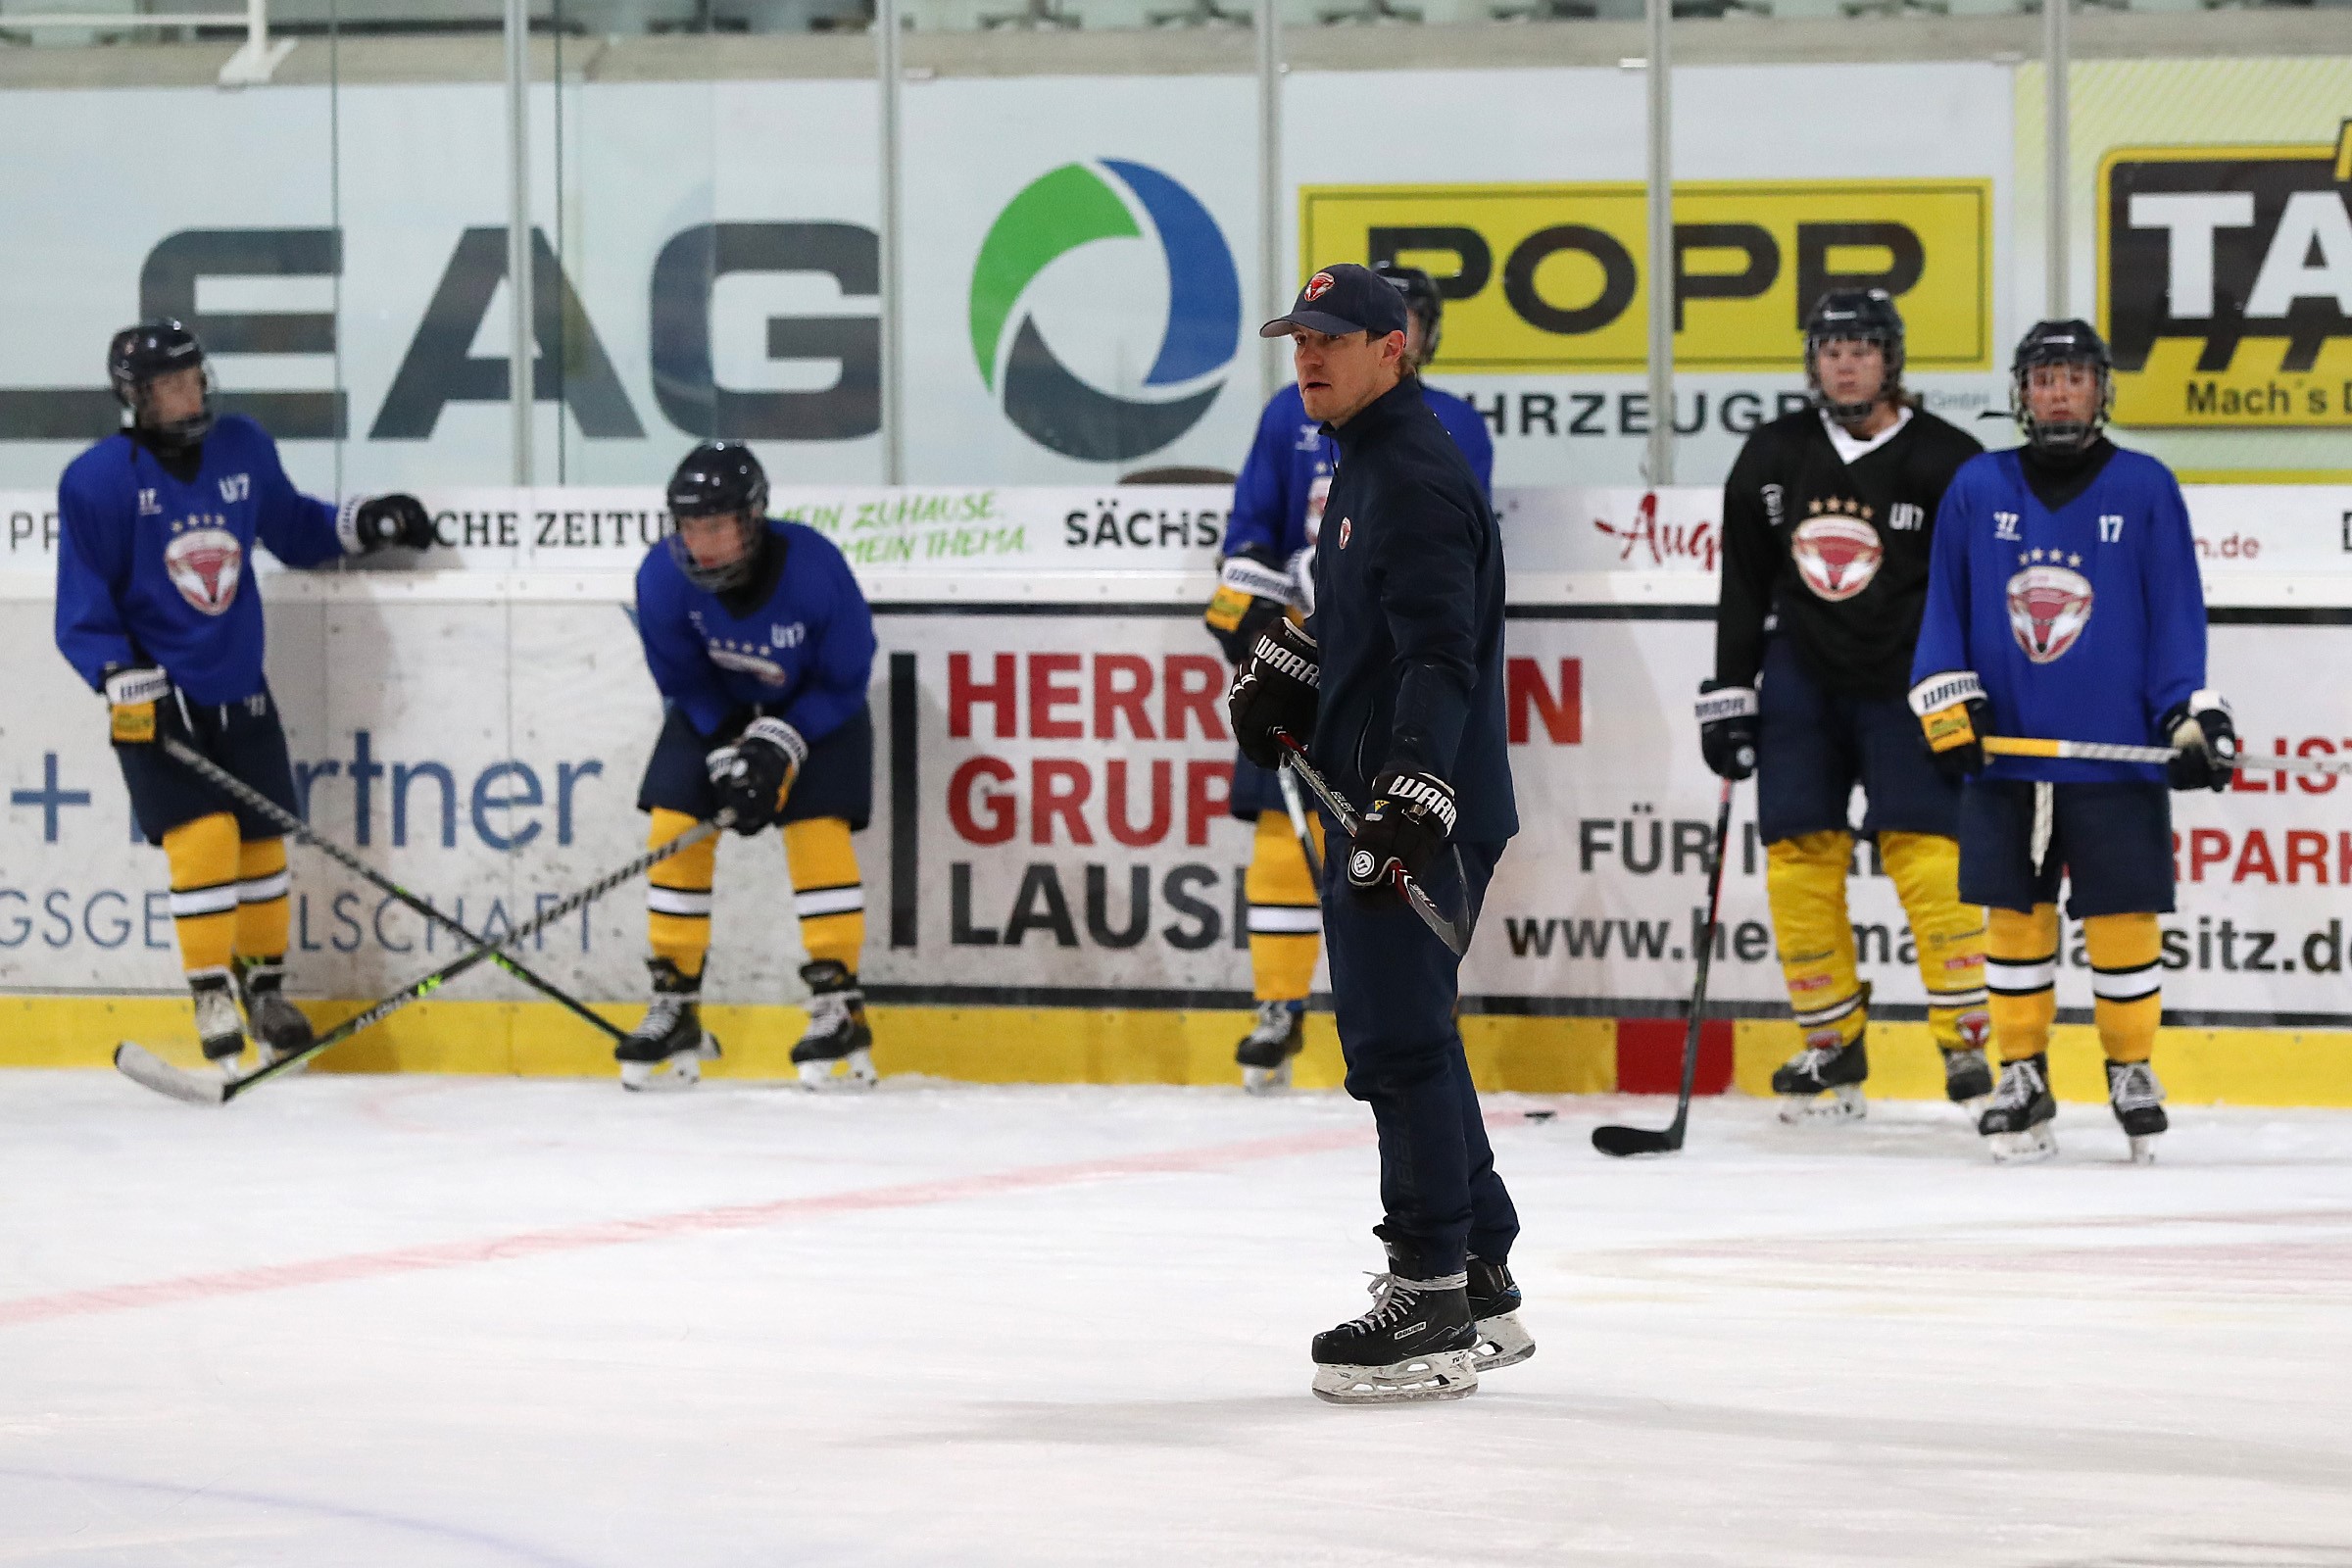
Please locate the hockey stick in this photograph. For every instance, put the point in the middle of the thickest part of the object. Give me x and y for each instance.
(143, 1066)
(2105, 752)
(1296, 808)
(245, 795)
(1448, 931)
(1624, 1140)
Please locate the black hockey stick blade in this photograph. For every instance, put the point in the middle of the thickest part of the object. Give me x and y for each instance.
(1624, 1142)
(144, 1067)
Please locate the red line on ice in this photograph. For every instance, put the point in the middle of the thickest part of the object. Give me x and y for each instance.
(654, 1228)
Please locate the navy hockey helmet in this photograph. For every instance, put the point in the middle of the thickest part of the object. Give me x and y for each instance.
(137, 356)
(1422, 302)
(2073, 342)
(720, 478)
(1855, 316)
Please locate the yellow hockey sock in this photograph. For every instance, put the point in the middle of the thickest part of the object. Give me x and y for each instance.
(2021, 971)
(1286, 915)
(826, 893)
(1948, 934)
(263, 906)
(1804, 878)
(203, 854)
(677, 895)
(2127, 981)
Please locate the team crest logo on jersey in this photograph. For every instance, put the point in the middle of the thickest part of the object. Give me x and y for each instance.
(1317, 286)
(745, 660)
(205, 565)
(1838, 557)
(1346, 527)
(2048, 608)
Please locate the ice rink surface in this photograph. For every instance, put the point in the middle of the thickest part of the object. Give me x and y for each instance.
(438, 1321)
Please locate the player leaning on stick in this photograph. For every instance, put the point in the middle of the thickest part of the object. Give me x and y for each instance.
(1826, 521)
(761, 643)
(1395, 685)
(158, 608)
(1268, 572)
(2065, 606)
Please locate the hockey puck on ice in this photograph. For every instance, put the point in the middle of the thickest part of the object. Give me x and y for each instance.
(1540, 1115)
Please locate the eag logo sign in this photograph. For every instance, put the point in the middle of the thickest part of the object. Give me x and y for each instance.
(1069, 210)
(2225, 283)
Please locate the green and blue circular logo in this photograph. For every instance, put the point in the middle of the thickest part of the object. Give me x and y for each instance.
(1073, 207)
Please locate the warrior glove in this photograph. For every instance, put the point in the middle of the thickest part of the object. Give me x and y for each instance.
(1276, 694)
(1252, 591)
(1956, 716)
(1727, 729)
(754, 772)
(383, 523)
(1412, 819)
(132, 701)
(2205, 738)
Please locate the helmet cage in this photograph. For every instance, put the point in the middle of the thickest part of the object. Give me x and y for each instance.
(142, 354)
(2061, 343)
(720, 479)
(1855, 318)
(1422, 302)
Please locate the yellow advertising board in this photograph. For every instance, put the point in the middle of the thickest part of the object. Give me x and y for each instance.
(2226, 282)
(1551, 277)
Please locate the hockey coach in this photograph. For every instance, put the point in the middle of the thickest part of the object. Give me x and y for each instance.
(1394, 686)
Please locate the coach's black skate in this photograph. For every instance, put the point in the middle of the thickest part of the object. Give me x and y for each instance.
(1493, 1296)
(837, 1052)
(1824, 1067)
(1417, 1342)
(276, 1023)
(668, 1049)
(219, 1028)
(1265, 1051)
(2016, 1122)
(2139, 1102)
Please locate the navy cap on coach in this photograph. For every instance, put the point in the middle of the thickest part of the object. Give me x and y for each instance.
(1342, 299)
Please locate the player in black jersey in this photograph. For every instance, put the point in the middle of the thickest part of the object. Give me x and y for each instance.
(1827, 518)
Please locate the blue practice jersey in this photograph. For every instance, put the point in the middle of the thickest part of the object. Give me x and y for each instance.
(802, 653)
(152, 569)
(1278, 499)
(2085, 624)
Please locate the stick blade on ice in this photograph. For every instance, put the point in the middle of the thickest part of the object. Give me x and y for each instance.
(144, 1067)
(1622, 1142)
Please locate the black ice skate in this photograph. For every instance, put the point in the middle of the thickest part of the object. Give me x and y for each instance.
(667, 1050)
(837, 1052)
(2016, 1122)
(2139, 1102)
(1417, 1342)
(219, 1028)
(1824, 1067)
(1265, 1051)
(1493, 1296)
(276, 1023)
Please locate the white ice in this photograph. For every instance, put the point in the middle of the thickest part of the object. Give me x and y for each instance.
(433, 1321)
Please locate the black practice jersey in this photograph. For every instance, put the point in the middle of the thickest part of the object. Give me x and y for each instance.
(1833, 552)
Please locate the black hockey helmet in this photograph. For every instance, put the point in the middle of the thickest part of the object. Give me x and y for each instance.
(137, 356)
(1422, 302)
(2072, 342)
(720, 478)
(1855, 316)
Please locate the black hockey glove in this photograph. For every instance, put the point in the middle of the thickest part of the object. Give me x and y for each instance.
(1727, 729)
(754, 772)
(1411, 821)
(1956, 716)
(383, 523)
(2204, 733)
(1276, 694)
(141, 706)
(1252, 590)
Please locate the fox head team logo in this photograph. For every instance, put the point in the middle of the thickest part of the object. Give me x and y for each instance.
(1073, 208)
(1838, 557)
(1317, 286)
(2048, 608)
(206, 564)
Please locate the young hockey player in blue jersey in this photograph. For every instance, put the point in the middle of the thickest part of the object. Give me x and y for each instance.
(1269, 560)
(158, 609)
(2063, 604)
(761, 644)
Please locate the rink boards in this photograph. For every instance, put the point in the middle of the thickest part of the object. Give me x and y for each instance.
(1052, 882)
